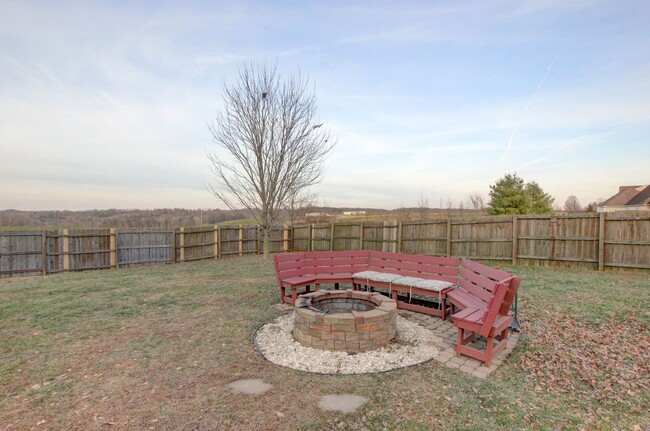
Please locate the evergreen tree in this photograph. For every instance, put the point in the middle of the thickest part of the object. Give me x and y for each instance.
(511, 195)
(508, 196)
(540, 202)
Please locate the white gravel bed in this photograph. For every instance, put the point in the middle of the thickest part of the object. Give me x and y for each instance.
(412, 345)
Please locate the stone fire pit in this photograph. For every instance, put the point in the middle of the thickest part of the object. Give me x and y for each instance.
(344, 320)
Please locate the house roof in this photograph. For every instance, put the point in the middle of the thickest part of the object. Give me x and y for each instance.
(630, 195)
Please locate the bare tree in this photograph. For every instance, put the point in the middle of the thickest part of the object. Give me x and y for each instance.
(572, 204)
(297, 202)
(475, 202)
(271, 144)
(423, 206)
(449, 202)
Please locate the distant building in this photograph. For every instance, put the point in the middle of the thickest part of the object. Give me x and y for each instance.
(316, 215)
(628, 198)
(353, 213)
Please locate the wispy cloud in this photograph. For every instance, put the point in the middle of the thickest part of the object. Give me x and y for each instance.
(525, 111)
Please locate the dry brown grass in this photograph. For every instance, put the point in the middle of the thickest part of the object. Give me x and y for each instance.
(154, 347)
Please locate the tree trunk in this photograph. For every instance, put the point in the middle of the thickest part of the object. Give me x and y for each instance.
(266, 243)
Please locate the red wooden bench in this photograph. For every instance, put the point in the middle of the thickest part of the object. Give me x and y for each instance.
(484, 295)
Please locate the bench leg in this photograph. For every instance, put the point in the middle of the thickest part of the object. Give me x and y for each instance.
(489, 351)
(503, 336)
(486, 356)
(462, 340)
(294, 294)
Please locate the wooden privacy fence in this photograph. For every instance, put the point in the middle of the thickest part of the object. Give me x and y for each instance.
(595, 241)
(52, 251)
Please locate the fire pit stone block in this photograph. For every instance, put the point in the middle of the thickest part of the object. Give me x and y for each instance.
(350, 321)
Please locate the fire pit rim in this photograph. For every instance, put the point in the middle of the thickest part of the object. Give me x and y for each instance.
(376, 325)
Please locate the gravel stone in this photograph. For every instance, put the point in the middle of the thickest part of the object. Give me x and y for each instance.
(412, 345)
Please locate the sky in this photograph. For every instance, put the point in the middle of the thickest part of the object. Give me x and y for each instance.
(106, 104)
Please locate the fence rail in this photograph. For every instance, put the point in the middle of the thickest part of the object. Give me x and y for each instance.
(599, 241)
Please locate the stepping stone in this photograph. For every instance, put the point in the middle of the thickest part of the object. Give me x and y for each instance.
(249, 386)
(342, 403)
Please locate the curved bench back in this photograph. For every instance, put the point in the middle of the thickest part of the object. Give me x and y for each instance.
(335, 262)
(480, 280)
(288, 265)
(414, 265)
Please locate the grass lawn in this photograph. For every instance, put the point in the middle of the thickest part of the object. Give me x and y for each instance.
(153, 348)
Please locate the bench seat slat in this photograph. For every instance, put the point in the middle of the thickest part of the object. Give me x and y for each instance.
(298, 281)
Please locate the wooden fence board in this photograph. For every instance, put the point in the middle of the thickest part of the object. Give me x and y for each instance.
(198, 243)
(321, 237)
(89, 249)
(424, 238)
(346, 236)
(137, 247)
(20, 253)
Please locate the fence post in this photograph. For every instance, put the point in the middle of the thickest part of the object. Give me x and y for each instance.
(241, 240)
(44, 252)
(449, 237)
(181, 244)
(360, 235)
(285, 238)
(112, 245)
(117, 248)
(66, 251)
(399, 237)
(310, 246)
(216, 241)
(601, 242)
(332, 237)
(219, 241)
(552, 237)
(394, 234)
(515, 235)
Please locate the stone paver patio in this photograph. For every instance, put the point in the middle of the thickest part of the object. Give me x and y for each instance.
(447, 357)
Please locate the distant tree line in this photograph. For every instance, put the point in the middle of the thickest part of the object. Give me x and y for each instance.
(117, 218)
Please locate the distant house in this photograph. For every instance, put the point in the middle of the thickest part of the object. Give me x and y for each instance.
(353, 213)
(628, 198)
